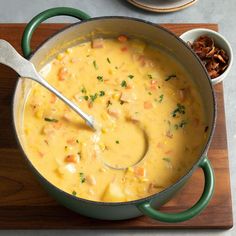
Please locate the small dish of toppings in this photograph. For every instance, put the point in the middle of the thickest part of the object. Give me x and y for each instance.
(213, 49)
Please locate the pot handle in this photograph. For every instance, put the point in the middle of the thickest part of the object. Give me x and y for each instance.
(147, 209)
(34, 23)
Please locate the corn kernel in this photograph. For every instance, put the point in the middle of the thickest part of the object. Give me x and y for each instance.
(104, 130)
(68, 50)
(60, 56)
(110, 72)
(116, 96)
(130, 169)
(39, 114)
(142, 179)
(104, 116)
(102, 146)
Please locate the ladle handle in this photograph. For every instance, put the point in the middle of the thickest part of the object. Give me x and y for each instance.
(10, 57)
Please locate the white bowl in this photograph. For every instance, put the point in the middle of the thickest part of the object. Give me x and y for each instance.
(220, 41)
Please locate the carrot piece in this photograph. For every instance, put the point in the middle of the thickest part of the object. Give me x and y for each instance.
(62, 73)
(124, 49)
(140, 171)
(122, 38)
(147, 105)
(53, 98)
(71, 158)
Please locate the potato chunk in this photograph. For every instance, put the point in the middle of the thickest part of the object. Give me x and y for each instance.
(113, 193)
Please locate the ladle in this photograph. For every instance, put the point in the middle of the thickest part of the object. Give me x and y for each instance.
(10, 57)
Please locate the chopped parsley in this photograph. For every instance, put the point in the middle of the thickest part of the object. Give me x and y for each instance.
(83, 90)
(86, 98)
(149, 93)
(122, 102)
(161, 98)
(181, 124)
(77, 141)
(93, 97)
(167, 159)
(116, 67)
(117, 141)
(95, 65)
(206, 128)
(123, 83)
(130, 76)
(82, 178)
(50, 119)
(108, 60)
(100, 78)
(74, 193)
(149, 76)
(170, 77)
(102, 93)
(180, 109)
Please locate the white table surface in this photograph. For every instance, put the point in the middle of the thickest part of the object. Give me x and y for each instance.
(204, 11)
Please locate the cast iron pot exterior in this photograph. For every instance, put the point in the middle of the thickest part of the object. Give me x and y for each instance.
(112, 27)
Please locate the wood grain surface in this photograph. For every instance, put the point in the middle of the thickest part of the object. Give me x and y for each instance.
(24, 204)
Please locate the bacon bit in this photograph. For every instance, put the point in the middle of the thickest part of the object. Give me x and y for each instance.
(214, 58)
(147, 105)
(71, 159)
(169, 134)
(122, 38)
(53, 98)
(140, 171)
(97, 43)
(62, 73)
(124, 49)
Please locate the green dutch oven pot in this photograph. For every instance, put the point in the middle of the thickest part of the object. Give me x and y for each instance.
(112, 27)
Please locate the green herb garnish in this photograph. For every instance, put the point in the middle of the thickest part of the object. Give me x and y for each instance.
(108, 60)
(74, 193)
(102, 93)
(93, 97)
(171, 77)
(149, 93)
(149, 76)
(50, 119)
(130, 76)
(180, 109)
(167, 159)
(161, 98)
(100, 78)
(77, 141)
(86, 98)
(83, 90)
(82, 178)
(123, 83)
(95, 65)
(117, 141)
(122, 102)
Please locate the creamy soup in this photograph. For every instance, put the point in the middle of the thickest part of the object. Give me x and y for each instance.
(151, 116)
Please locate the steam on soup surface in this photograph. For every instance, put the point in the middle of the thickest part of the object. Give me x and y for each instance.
(146, 104)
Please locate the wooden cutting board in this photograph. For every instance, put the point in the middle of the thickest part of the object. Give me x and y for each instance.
(24, 204)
